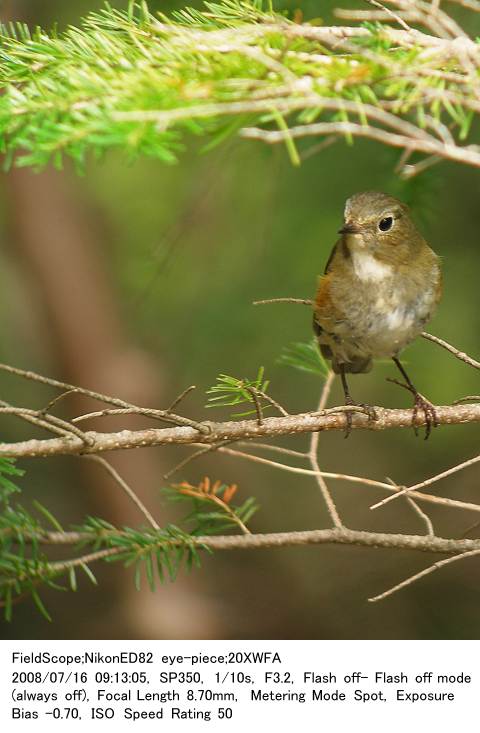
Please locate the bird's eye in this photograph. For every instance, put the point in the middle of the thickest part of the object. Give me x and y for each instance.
(385, 224)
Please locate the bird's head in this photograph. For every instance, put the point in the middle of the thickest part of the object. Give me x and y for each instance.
(381, 225)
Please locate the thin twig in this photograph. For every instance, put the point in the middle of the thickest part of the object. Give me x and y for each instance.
(427, 482)
(301, 301)
(44, 420)
(258, 408)
(180, 397)
(411, 170)
(419, 496)
(445, 345)
(160, 414)
(276, 449)
(422, 574)
(30, 416)
(390, 13)
(468, 398)
(271, 401)
(313, 457)
(430, 145)
(57, 399)
(423, 516)
(318, 147)
(193, 456)
(67, 427)
(126, 488)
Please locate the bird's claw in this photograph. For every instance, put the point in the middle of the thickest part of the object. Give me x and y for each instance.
(369, 410)
(431, 420)
(420, 403)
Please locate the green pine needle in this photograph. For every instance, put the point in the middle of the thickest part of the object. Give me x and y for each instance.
(230, 391)
(304, 356)
(142, 83)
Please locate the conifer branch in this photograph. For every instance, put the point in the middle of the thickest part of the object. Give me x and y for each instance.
(140, 82)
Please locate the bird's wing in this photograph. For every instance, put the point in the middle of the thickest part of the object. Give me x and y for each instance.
(332, 255)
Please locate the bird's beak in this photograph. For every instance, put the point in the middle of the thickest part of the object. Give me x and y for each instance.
(349, 228)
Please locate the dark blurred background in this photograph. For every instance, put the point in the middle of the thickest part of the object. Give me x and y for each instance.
(137, 280)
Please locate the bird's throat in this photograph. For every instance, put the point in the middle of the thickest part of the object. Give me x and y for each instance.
(366, 267)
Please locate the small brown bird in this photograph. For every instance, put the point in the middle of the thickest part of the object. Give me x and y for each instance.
(381, 285)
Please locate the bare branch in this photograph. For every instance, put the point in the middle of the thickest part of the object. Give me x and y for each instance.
(419, 496)
(44, 420)
(240, 430)
(31, 416)
(165, 415)
(422, 574)
(430, 145)
(334, 536)
(430, 15)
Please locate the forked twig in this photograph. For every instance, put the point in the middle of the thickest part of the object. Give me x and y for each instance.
(422, 574)
(427, 482)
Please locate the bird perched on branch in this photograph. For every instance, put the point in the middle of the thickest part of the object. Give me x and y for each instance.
(381, 285)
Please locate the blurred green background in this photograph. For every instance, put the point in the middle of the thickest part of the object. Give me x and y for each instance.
(137, 279)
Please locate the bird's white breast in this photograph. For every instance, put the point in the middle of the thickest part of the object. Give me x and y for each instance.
(399, 319)
(366, 267)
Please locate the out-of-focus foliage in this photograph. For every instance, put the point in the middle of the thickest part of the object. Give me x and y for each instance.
(304, 356)
(131, 80)
(26, 567)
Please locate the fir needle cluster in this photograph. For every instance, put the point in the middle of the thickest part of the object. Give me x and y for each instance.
(143, 83)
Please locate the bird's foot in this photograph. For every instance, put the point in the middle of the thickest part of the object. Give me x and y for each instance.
(420, 403)
(369, 410)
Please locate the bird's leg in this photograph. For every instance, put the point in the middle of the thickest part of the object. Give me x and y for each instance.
(421, 403)
(368, 409)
